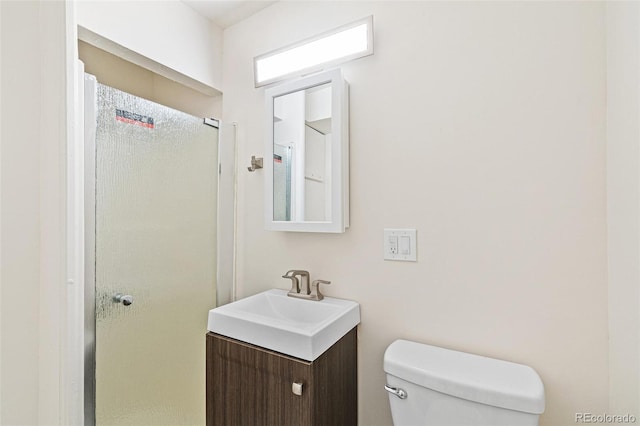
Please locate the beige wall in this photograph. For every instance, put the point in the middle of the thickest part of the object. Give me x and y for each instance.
(483, 126)
(623, 204)
(167, 37)
(116, 72)
(19, 272)
(32, 202)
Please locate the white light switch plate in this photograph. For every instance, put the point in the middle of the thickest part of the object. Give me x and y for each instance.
(400, 244)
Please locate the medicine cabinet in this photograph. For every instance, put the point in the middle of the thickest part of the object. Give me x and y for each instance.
(307, 154)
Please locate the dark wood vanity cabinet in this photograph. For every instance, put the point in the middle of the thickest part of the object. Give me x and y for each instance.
(252, 386)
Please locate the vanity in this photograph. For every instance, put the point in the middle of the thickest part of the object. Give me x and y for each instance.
(278, 360)
(272, 359)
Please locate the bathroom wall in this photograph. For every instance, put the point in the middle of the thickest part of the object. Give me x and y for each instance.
(167, 37)
(483, 126)
(32, 210)
(116, 72)
(18, 374)
(623, 204)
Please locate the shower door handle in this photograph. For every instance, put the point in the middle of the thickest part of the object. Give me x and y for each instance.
(125, 299)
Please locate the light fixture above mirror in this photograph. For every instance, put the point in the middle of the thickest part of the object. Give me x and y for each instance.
(350, 41)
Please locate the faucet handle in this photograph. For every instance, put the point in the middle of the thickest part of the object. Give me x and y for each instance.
(315, 289)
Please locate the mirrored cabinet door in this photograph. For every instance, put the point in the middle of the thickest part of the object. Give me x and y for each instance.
(306, 187)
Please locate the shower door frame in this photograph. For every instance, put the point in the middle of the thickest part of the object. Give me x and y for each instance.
(90, 253)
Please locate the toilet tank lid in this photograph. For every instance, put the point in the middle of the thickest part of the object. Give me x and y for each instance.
(476, 378)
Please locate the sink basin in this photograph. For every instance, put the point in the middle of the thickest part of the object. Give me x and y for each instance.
(295, 327)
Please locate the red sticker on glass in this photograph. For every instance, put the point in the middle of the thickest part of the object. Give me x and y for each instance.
(133, 118)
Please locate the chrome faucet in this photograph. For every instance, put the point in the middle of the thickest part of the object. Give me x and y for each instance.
(311, 289)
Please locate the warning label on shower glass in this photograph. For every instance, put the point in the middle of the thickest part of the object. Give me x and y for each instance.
(133, 118)
(277, 158)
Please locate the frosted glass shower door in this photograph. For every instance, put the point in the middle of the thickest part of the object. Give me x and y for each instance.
(156, 184)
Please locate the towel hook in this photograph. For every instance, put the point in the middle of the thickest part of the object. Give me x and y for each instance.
(256, 163)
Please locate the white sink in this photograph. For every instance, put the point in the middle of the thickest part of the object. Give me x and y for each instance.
(296, 327)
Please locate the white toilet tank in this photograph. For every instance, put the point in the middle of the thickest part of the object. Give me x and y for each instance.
(444, 388)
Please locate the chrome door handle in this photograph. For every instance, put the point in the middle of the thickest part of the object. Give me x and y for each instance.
(400, 393)
(125, 299)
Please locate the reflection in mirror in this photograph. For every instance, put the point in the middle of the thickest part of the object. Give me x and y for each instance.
(302, 154)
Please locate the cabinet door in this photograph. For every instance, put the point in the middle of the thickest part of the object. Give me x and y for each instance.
(247, 385)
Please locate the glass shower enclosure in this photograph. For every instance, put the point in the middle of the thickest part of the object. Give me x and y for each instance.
(151, 264)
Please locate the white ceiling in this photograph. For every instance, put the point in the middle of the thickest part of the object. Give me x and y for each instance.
(228, 12)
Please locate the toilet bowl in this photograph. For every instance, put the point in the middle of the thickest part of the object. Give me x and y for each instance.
(432, 386)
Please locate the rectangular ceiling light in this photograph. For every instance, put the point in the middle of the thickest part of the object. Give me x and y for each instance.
(342, 44)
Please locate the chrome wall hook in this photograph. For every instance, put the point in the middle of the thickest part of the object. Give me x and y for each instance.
(256, 163)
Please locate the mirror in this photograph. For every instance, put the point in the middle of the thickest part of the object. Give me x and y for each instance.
(306, 185)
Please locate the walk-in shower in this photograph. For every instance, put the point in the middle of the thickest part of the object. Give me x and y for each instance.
(151, 194)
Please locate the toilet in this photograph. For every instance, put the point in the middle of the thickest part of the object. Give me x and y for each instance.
(432, 386)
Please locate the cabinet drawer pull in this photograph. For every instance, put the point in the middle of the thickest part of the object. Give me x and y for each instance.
(296, 388)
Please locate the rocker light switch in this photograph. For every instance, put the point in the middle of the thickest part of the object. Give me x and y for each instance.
(405, 244)
(296, 388)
